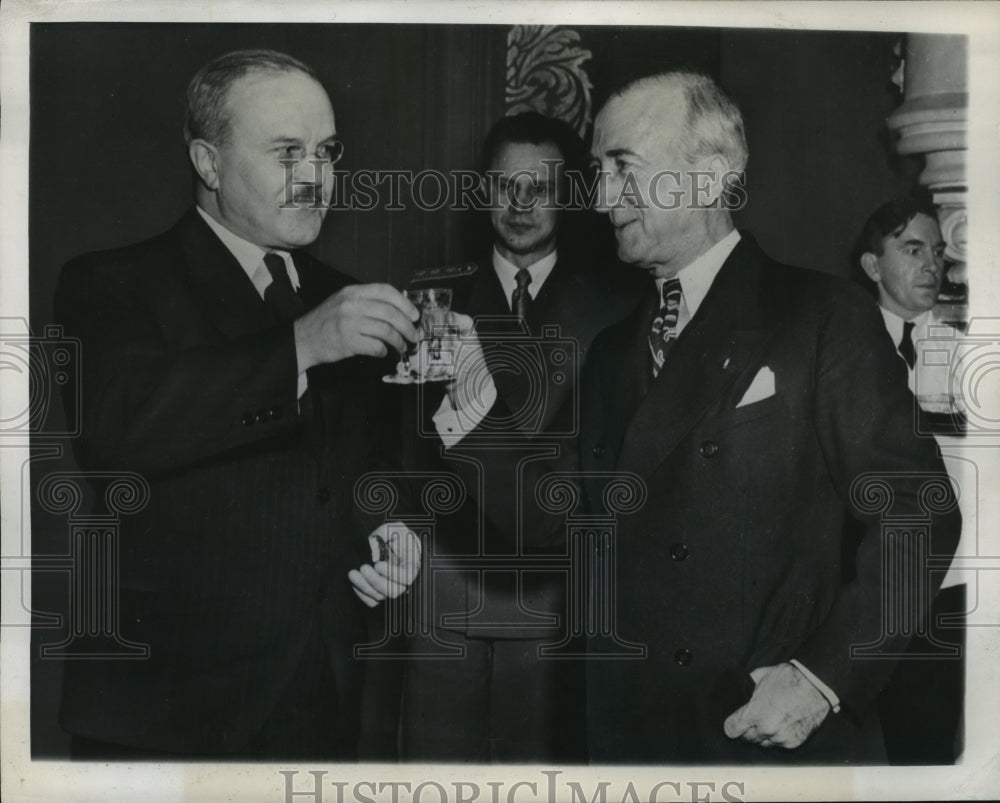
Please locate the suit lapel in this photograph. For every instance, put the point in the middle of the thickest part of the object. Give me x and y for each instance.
(719, 346)
(231, 301)
(625, 383)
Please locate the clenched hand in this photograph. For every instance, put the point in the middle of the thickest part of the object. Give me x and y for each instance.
(783, 712)
(395, 564)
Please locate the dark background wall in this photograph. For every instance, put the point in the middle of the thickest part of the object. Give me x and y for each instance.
(108, 166)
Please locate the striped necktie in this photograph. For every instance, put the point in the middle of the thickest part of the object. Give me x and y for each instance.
(663, 331)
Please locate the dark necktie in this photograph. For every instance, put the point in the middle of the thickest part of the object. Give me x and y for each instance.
(663, 331)
(520, 300)
(279, 294)
(905, 347)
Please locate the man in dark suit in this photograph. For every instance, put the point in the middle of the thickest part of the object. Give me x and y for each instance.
(763, 406)
(538, 299)
(234, 372)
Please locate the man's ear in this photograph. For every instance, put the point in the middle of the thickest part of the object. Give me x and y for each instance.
(869, 264)
(204, 157)
(709, 189)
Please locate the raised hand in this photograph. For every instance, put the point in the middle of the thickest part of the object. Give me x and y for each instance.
(360, 319)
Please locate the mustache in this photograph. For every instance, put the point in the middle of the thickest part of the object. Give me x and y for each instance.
(307, 193)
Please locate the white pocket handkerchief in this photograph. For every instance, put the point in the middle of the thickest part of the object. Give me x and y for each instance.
(761, 388)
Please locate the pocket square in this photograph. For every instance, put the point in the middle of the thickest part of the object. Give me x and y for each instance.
(761, 388)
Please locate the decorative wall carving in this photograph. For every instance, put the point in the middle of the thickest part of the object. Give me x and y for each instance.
(545, 74)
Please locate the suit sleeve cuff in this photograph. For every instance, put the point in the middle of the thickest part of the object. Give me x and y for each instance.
(452, 425)
(821, 687)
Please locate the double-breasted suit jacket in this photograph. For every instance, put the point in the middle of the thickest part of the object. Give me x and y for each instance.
(250, 530)
(738, 558)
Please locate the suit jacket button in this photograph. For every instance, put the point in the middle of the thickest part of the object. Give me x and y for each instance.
(261, 416)
(324, 494)
(248, 419)
(709, 449)
(275, 412)
(678, 551)
(598, 451)
(683, 657)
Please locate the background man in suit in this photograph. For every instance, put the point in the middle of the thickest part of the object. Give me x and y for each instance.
(901, 255)
(234, 372)
(753, 399)
(501, 702)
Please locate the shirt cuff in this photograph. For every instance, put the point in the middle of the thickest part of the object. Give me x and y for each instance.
(821, 687)
(452, 425)
(303, 385)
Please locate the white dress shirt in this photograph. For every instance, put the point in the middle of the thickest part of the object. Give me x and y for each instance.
(934, 344)
(697, 277)
(507, 274)
(251, 259)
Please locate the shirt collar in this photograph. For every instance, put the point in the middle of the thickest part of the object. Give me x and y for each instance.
(894, 323)
(697, 277)
(507, 272)
(249, 255)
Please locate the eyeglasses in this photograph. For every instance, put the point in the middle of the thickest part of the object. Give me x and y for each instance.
(331, 151)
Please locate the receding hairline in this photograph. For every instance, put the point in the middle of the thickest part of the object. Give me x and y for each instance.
(257, 74)
(208, 114)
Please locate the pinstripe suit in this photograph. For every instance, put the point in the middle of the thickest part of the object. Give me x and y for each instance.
(237, 567)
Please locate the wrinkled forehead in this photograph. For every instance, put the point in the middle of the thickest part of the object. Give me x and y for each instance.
(643, 119)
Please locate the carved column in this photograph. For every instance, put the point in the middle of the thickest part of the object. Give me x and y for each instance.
(932, 121)
(908, 563)
(591, 608)
(408, 632)
(93, 561)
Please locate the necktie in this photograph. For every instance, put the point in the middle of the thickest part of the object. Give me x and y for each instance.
(520, 299)
(280, 295)
(905, 347)
(663, 331)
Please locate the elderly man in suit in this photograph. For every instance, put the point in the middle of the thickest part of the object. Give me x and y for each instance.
(234, 371)
(538, 299)
(762, 405)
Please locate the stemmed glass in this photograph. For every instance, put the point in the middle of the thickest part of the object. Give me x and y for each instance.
(431, 358)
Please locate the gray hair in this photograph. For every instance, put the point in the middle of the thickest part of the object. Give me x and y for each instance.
(206, 116)
(713, 123)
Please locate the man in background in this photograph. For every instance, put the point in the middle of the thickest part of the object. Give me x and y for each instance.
(234, 372)
(901, 255)
(538, 297)
(756, 401)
